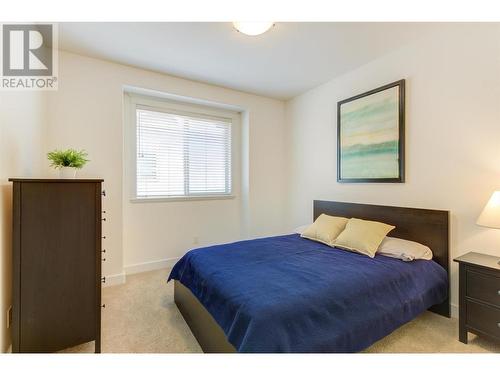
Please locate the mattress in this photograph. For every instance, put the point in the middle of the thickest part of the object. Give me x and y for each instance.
(290, 294)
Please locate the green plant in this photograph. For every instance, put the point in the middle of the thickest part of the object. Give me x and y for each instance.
(67, 158)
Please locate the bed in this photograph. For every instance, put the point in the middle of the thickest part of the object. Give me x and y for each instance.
(289, 294)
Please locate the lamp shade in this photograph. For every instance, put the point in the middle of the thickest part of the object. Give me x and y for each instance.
(490, 217)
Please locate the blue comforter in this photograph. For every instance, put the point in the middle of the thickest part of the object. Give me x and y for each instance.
(289, 294)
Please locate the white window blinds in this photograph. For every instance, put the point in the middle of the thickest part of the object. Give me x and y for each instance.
(180, 154)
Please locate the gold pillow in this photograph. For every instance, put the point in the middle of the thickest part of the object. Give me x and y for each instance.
(363, 236)
(325, 229)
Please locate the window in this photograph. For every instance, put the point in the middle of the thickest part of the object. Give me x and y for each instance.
(182, 154)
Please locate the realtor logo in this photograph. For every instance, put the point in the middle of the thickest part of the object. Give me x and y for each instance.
(29, 54)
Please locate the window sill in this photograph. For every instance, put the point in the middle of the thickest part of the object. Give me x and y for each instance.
(180, 199)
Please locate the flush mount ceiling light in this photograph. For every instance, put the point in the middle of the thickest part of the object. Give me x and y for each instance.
(253, 28)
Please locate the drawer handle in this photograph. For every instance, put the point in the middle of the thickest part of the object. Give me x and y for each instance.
(498, 292)
(498, 324)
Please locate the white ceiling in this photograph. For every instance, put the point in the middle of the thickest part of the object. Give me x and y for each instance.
(287, 60)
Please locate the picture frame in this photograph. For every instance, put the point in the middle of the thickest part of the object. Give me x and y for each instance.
(371, 136)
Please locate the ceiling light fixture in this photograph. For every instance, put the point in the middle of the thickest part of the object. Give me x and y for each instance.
(253, 28)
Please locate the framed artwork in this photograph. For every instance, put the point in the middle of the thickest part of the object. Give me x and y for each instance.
(370, 135)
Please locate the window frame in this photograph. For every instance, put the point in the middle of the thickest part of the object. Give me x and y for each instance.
(163, 105)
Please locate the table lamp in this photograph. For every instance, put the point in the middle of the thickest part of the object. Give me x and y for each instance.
(490, 217)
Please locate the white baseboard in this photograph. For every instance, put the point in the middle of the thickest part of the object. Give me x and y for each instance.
(131, 269)
(454, 310)
(150, 266)
(115, 279)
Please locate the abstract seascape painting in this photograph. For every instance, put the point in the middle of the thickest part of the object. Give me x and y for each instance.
(370, 136)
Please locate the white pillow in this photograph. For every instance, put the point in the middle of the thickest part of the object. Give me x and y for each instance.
(404, 249)
(301, 229)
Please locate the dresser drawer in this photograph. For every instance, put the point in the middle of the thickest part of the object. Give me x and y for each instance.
(483, 287)
(483, 318)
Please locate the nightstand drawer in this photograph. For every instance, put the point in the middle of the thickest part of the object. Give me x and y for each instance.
(483, 287)
(483, 318)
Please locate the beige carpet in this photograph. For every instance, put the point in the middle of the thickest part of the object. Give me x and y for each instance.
(141, 317)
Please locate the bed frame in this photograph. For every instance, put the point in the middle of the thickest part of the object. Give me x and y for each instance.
(429, 227)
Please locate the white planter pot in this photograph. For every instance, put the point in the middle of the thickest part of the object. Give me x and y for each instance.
(67, 172)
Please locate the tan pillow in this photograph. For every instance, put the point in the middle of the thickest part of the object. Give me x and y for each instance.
(325, 229)
(363, 236)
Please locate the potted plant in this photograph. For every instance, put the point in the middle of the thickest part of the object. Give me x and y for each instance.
(67, 161)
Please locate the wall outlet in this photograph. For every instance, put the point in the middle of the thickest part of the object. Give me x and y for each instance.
(9, 317)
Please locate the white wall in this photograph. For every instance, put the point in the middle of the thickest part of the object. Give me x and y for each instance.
(22, 119)
(87, 112)
(452, 140)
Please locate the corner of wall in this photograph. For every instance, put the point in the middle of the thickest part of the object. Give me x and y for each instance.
(22, 132)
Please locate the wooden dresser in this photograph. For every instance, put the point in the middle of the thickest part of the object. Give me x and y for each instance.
(56, 289)
(479, 294)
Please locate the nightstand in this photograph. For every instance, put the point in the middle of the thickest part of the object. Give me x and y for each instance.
(479, 294)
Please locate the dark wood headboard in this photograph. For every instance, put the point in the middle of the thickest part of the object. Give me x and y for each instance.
(429, 227)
